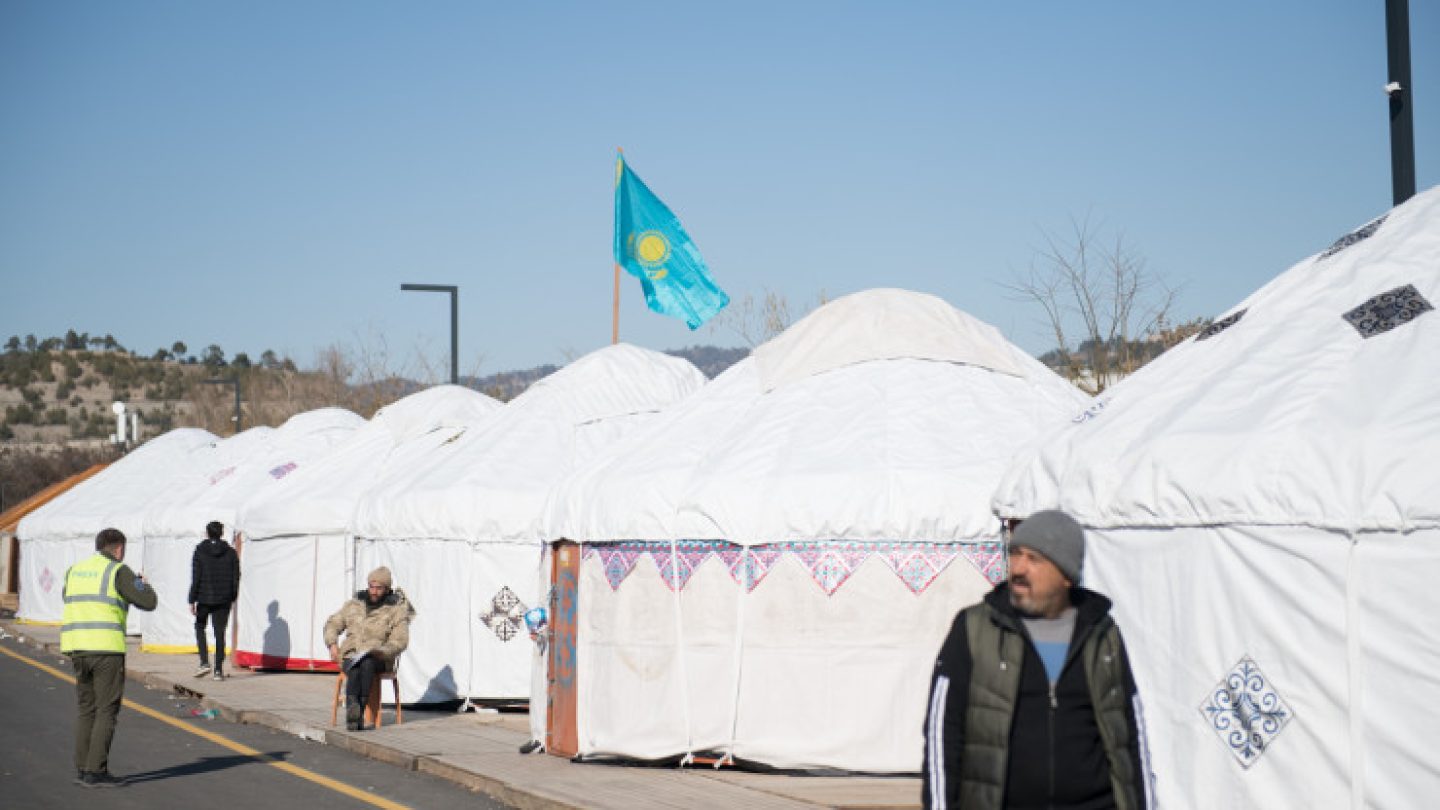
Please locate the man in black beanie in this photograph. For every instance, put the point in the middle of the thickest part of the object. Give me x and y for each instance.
(1032, 703)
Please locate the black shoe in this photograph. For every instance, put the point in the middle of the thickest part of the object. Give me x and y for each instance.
(101, 779)
(353, 717)
(531, 746)
(79, 778)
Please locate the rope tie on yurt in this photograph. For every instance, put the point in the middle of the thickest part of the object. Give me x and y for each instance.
(470, 617)
(740, 601)
(234, 629)
(680, 653)
(540, 716)
(1354, 676)
(314, 575)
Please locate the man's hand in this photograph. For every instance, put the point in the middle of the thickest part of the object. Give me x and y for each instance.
(335, 653)
(192, 608)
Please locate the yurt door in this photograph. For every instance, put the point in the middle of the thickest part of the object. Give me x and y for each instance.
(561, 738)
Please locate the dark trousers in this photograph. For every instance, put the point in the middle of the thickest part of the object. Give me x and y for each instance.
(218, 616)
(359, 679)
(99, 689)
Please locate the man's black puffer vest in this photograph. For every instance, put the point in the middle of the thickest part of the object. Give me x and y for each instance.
(1028, 747)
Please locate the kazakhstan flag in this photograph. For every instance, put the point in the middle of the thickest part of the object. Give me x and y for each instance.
(651, 246)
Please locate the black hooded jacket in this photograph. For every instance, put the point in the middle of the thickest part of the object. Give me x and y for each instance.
(214, 573)
(1056, 757)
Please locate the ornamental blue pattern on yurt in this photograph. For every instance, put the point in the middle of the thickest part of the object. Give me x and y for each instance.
(1387, 311)
(1221, 325)
(506, 614)
(1246, 712)
(1358, 235)
(1091, 412)
(829, 563)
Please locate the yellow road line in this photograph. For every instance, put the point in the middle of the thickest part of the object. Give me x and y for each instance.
(224, 742)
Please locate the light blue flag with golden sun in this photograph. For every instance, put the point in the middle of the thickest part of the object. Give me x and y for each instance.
(651, 246)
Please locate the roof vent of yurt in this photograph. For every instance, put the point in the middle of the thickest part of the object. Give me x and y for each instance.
(881, 324)
(618, 380)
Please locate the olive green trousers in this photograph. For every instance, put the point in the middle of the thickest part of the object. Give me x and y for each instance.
(99, 690)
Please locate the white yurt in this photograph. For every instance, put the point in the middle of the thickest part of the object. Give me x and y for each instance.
(461, 530)
(298, 551)
(1263, 505)
(767, 572)
(62, 532)
(237, 469)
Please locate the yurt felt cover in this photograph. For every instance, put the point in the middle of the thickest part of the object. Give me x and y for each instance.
(239, 469)
(1264, 508)
(63, 531)
(765, 558)
(469, 520)
(299, 554)
(11, 517)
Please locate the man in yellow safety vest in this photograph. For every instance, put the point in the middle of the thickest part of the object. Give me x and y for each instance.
(99, 591)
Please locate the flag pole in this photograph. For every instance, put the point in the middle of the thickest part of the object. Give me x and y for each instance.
(615, 304)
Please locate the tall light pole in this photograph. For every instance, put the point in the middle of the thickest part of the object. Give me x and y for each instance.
(454, 321)
(235, 381)
(1402, 97)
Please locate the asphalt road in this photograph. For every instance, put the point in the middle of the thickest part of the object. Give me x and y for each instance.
(187, 762)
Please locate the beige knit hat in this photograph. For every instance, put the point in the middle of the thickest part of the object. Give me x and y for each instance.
(380, 576)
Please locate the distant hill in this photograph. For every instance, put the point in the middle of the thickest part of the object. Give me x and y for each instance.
(711, 360)
(506, 385)
(58, 391)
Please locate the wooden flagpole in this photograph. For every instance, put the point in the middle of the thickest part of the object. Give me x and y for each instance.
(615, 311)
(615, 305)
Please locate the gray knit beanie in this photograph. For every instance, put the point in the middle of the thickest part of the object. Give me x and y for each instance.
(1057, 536)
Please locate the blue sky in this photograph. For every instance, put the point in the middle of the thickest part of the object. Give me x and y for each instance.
(265, 175)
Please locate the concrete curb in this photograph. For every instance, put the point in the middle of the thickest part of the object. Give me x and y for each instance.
(349, 741)
(494, 788)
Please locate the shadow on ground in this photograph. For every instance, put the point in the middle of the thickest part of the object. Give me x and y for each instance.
(204, 765)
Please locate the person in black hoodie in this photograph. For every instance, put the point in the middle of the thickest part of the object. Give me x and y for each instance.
(1032, 703)
(214, 587)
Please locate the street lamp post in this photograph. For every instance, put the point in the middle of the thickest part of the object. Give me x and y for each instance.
(235, 381)
(454, 321)
(1402, 118)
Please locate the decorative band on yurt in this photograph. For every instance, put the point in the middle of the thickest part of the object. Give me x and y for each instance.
(829, 563)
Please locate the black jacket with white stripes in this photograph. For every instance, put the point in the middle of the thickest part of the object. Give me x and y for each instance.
(1055, 756)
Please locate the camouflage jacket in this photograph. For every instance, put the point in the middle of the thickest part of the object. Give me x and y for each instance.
(384, 627)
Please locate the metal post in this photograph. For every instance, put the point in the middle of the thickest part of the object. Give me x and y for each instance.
(1402, 96)
(454, 321)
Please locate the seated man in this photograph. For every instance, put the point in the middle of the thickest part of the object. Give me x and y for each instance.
(376, 627)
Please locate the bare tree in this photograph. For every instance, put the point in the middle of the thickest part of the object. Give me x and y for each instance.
(1102, 292)
(334, 366)
(756, 321)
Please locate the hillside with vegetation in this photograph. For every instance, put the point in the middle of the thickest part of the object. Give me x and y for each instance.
(56, 395)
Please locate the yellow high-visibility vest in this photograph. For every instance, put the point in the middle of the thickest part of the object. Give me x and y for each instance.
(94, 616)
